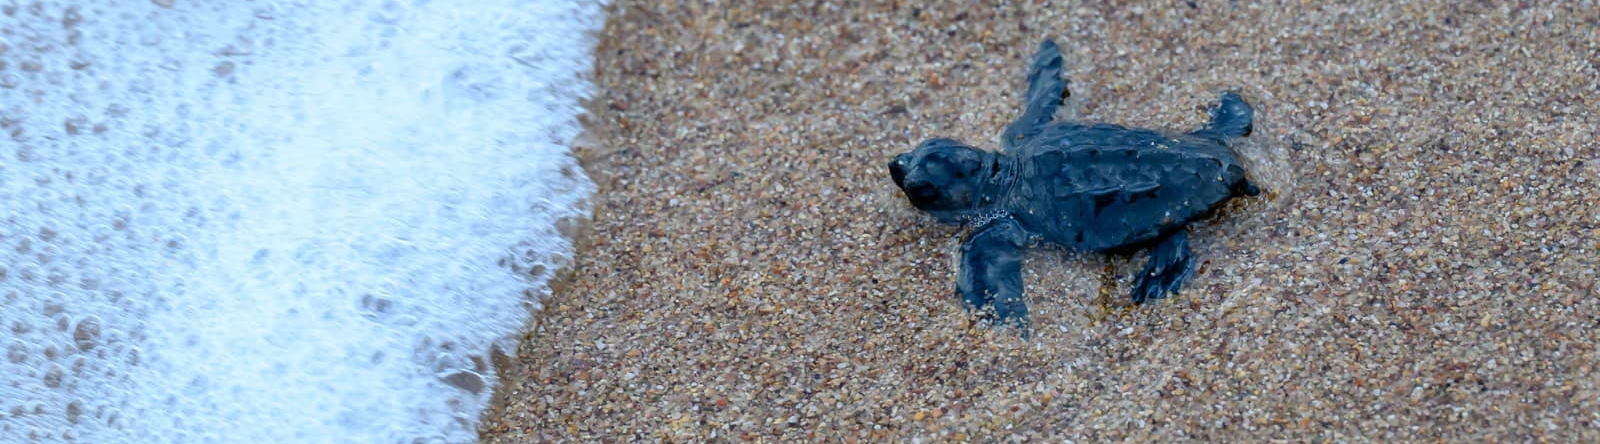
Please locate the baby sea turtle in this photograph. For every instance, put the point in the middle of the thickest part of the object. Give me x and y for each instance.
(1088, 187)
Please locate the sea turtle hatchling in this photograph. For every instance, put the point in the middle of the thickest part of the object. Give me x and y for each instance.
(1088, 187)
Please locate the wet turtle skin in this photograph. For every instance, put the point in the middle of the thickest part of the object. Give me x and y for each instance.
(1088, 187)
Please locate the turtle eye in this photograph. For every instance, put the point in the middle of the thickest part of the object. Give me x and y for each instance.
(965, 166)
(923, 192)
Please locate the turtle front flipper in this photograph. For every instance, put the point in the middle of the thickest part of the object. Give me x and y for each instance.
(1170, 264)
(1046, 91)
(991, 272)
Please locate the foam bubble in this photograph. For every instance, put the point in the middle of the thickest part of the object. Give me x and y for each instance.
(311, 222)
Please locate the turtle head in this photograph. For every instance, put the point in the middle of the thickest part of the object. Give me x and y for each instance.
(943, 177)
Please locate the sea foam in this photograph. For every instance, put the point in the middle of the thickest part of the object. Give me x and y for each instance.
(278, 221)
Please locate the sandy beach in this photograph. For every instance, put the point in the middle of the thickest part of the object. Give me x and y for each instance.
(1422, 266)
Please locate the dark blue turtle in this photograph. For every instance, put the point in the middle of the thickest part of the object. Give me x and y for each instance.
(1088, 187)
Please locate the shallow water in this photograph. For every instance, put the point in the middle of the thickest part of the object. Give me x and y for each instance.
(232, 222)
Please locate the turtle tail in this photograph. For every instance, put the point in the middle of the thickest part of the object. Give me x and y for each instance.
(1230, 118)
(1241, 184)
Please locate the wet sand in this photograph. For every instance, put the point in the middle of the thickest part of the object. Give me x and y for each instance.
(1423, 266)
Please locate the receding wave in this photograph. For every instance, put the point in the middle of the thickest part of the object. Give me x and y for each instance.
(307, 222)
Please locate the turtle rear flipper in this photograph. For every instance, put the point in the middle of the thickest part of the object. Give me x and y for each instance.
(1046, 91)
(1231, 117)
(1170, 264)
